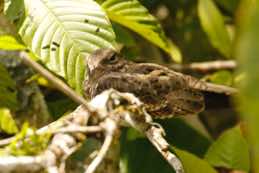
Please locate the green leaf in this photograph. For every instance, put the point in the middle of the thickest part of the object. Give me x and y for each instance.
(192, 163)
(213, 24)
(28, 145)
(7, 123)
(14, 9)
(133, 15)
(8, 42)
(7, 89)
(247, 53)
(222, 77)
(229, 5)
(179, 134)
(230, 151)
(123, 36)
(139, 155)
(63, 33)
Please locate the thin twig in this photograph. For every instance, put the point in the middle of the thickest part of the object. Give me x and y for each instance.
(29, 163)
(82, 129)
(100, 156)
(110, 126)
(206, 66)
(48, 128)
(59, 84)
(155, 136)
(51, 128)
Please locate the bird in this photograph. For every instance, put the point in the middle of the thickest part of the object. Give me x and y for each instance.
(164, 92)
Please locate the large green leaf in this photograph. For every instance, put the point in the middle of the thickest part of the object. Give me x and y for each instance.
(192, 163)
(133, 15)
(229, 5)
(179, 134)
(7, 89)
(62, 33)
(230, 151)
(7, 123)
(247, 53)
(213, 24)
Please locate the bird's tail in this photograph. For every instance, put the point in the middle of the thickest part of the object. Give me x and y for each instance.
(209, 87)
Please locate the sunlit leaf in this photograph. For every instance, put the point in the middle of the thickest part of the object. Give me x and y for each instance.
(9, 43)
(133, 15)
(230, 151)
(34, 144)
(213, 24)
(7, 123)
(63, 33)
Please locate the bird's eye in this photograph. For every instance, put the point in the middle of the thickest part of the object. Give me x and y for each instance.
(112, 59)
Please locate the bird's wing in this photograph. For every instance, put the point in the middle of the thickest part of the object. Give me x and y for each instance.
(123, 82)
(186, 101)
(148, 87)
(191, 81)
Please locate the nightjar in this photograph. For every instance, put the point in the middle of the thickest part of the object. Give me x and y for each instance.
(164, 92)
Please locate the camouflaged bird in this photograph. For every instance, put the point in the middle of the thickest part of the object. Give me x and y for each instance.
(164, 92)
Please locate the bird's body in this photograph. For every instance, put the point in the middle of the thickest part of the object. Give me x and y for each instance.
(163, 91)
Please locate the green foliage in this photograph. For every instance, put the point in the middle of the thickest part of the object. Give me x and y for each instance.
(192, 163)
(7, 123)
(62, 39)
(229, 5)
(247, 53)
(7, 89)
(14, 9)
(29, 142)
(123, 36)
(63, 33)
(222, 77)
(230, 151)
(179, 134)
(213, 24)
(133, 15)
(137, 154)
(9, 43)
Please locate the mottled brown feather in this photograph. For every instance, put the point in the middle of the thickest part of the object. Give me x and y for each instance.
(164, 92)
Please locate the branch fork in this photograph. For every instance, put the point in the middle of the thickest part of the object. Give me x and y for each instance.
(113, 110)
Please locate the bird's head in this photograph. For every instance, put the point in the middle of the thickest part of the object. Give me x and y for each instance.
(103, 60)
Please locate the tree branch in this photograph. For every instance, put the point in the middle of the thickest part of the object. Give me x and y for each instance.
(58, 83)
(112, 109)
(205, 67)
